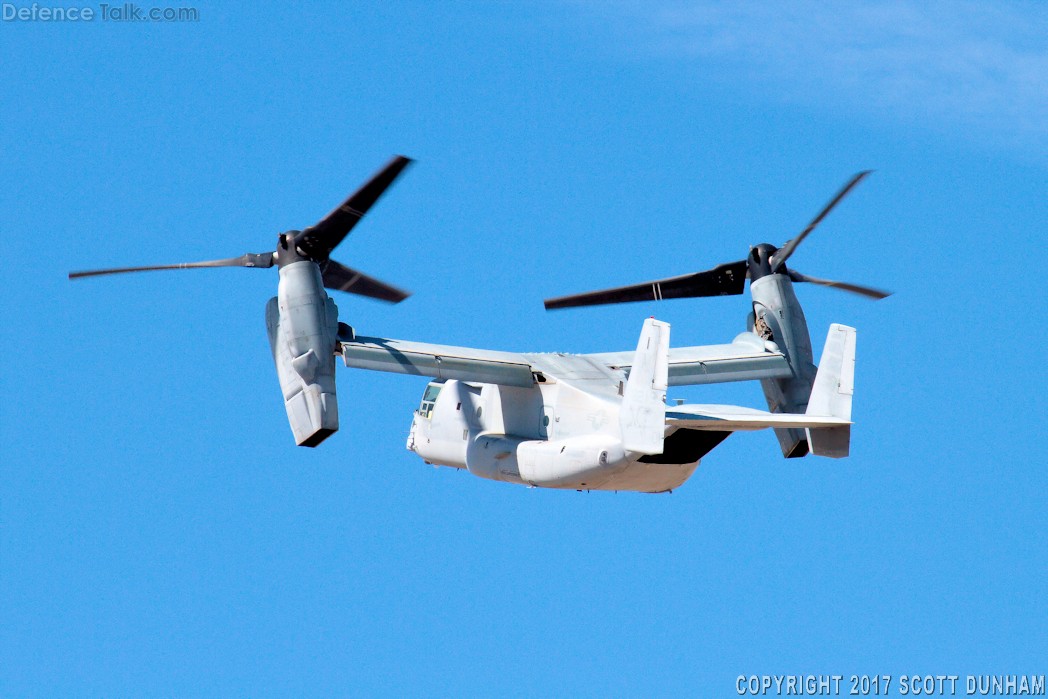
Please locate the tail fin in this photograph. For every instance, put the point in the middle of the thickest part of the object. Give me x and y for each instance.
(832, 393)
(643, 414)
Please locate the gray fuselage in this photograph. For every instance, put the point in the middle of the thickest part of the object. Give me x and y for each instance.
(552, 435)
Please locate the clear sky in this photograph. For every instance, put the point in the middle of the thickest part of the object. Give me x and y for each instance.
(161, 535)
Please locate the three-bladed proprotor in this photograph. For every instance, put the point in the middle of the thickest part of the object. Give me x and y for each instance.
(728, 279)
(314, 243)
(302, 319)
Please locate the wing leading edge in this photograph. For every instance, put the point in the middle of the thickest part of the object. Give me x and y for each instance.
(438, 361)
(478, 365)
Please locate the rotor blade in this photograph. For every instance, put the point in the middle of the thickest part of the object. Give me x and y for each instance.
(319, 240)
(724, 280)
(341, 278)
(786, 250)
(866, 291)
(251, 259)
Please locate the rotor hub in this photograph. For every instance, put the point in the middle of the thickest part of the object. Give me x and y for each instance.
(759, 261)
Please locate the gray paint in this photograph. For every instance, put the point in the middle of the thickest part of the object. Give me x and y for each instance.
(776, 304)
(302, 323)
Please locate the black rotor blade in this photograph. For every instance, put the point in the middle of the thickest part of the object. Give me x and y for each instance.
(251, 259)
(724, 280)
(319, 240)
(868, 292)
(341, 278)
(783, 253)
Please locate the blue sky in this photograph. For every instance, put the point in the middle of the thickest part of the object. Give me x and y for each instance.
(161, 535)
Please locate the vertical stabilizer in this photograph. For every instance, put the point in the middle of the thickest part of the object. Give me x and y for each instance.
(643, 416)
(832, 392)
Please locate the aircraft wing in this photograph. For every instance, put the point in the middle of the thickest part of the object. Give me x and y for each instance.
(734, 418)
(438, 361)
(746, 358)
(479, 365)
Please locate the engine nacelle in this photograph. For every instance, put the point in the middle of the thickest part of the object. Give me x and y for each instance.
(303, 330)
(778, 312)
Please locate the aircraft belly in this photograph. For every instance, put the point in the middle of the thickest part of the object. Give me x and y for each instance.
(541, 464)
(650, 478)
(595, 464)
(625, 477)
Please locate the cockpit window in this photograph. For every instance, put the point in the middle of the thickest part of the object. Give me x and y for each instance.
(429, 399)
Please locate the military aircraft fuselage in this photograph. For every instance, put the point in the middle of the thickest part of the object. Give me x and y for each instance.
(552, 435)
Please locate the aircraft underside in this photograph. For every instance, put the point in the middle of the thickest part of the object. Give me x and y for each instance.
(632, 475)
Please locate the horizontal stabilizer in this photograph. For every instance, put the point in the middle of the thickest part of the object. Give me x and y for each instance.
(733, 418)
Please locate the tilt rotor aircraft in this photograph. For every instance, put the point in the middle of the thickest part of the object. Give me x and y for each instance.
(583, 422)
